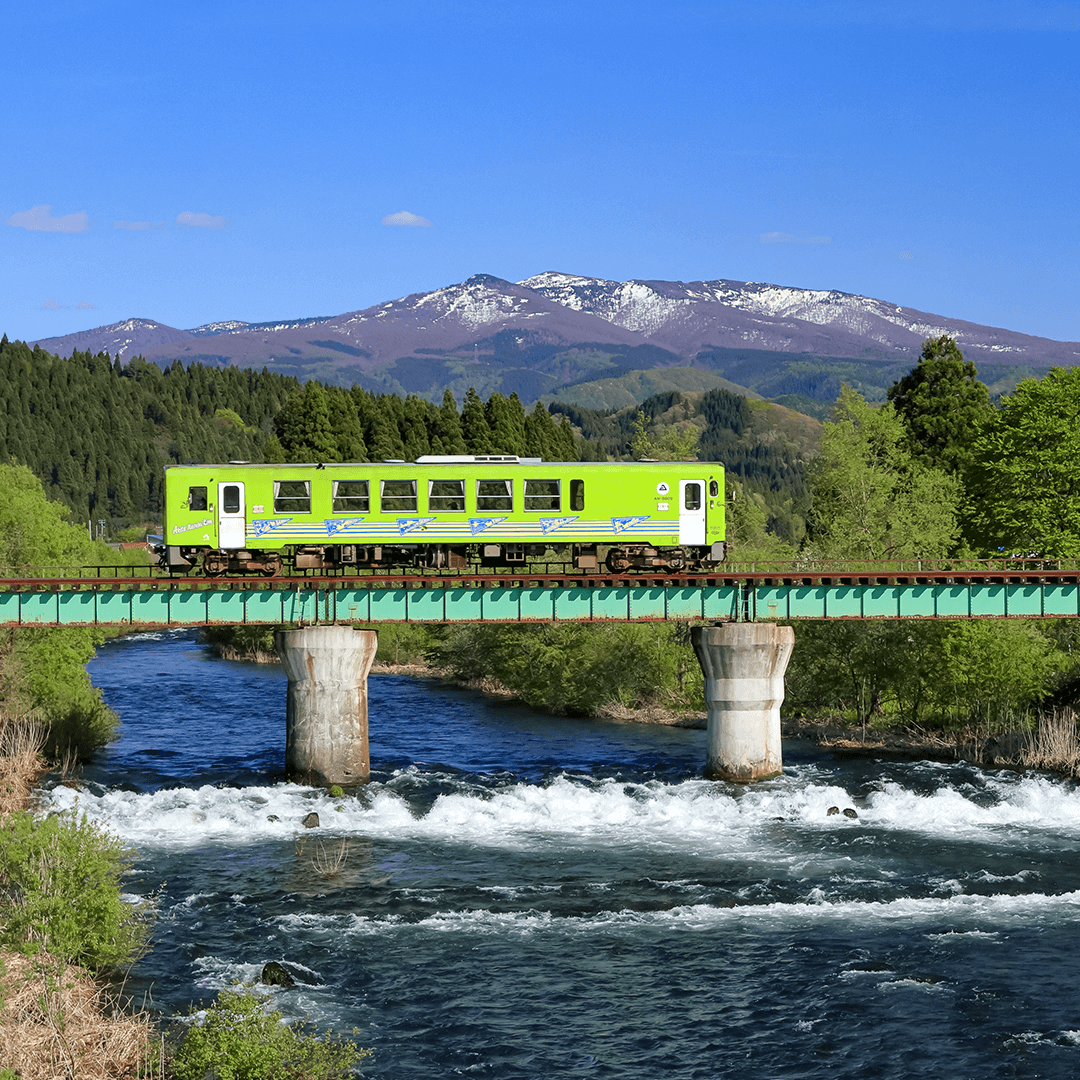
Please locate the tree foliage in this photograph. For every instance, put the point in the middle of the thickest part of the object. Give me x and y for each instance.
(872, 500)
(942, 405)
(43, 671)
(948, 672)
(1024, 481)
(327, 423)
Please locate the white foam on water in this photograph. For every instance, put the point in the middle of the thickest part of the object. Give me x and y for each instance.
(694, 816)
(1036, 802)
(1000, 912)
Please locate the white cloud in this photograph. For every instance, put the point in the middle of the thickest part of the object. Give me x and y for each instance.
(793, 238)
(199, 221)
(403, 217)
(55, 305)
(138, 226)
(40, 219)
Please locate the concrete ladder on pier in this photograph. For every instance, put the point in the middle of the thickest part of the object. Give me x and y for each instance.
(326, 721)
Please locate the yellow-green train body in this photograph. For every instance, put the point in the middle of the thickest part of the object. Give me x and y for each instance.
(446, 511)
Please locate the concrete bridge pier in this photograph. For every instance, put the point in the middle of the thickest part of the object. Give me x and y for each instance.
(744, 665)
(326, 718)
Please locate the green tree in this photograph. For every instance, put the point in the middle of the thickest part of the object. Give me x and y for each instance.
(942, 405)
(669, 444)
(304, 428)
(448, 427)
(44, 670)
(474, 424)
(872, 501)
(1024, 481)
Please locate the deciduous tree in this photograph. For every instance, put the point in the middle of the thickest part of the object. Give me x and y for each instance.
(1024, 481)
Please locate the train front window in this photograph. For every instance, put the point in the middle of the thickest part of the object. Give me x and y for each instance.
(196, 499)
(292, 496)
(351, 497)
(692, 498)
(542, 494)
(397, 496)
(446, 495)
(494, 495)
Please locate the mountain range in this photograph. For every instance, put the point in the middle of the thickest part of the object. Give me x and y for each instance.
(550, 333)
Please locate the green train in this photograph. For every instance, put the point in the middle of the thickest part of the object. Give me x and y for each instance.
(452, 512)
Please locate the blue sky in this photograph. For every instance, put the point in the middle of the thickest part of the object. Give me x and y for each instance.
(274, 160)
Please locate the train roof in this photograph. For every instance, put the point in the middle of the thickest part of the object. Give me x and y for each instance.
(430, 459)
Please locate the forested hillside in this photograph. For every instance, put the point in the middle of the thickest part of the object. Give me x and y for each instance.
(98, 434)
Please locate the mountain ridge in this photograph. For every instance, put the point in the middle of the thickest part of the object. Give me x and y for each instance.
(555, 329)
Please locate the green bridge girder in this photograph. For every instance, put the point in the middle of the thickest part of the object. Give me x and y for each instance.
(156, 604)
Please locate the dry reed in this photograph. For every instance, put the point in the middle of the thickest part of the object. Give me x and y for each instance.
(58, 1022)
(21, 739)
(328, 860)
(1053, 745)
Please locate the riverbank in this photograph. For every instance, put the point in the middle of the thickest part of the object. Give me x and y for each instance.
(1053, 747)
(58, 1019)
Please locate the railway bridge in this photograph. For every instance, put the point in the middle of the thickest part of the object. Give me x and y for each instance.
(327, 642)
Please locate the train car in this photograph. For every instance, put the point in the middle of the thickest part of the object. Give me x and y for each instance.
(443, 511)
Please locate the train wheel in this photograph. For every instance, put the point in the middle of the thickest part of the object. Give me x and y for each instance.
(272, 567)
(214, 565)
(617, 562)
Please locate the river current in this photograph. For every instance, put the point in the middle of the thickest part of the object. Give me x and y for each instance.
(523, 896)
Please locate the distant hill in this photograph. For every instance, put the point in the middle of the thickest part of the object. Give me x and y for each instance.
(555, 331)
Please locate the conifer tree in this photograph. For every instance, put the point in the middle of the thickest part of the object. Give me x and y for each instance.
(474, 424)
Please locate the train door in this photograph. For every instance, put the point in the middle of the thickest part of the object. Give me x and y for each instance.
(231, 516)
(691, 511)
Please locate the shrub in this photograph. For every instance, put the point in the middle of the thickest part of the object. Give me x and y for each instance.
(60, 892)
(241, 1039)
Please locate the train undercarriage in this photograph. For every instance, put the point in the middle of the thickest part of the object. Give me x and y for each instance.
(586, 558)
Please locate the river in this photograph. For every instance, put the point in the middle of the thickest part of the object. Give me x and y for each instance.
(524, 896)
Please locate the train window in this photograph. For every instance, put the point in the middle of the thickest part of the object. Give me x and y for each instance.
(351, 497)
(692, 498)
(494, 495)
(196, 498)
(542, 494)
(397, 496)
(714, 489)
(577, 495)
(230, 499)
(446, 495)
(292, 496)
